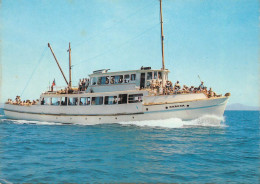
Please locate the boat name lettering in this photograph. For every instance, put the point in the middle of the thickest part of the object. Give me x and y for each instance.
(174, 106)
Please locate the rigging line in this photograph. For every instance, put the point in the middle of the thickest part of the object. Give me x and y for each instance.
(39, 61)
(124, 43)
(110, 27)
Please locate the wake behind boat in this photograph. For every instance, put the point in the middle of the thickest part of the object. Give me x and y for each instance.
(111, 97)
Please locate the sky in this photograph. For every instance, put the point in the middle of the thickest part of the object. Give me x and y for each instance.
(215, 39)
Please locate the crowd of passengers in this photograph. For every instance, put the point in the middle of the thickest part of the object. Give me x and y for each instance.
(176, 89)
(18, 101)
(83, 84)
(154, 85)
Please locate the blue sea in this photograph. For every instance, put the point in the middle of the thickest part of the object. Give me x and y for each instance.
(167, 151)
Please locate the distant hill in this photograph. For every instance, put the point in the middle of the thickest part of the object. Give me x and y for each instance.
(241, 107)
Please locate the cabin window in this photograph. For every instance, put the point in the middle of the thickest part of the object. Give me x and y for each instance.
(135, 98)
(155, 75)
(102, 80)
(109, 100)
(112, 80)
(122, 99)
(149, 75)
(64, 100)
(160, 75)
(133, 77)
(127, 78)
(97, 100)
(106, 80)
(55, 101)
(118, 79)
(73, 101)
(94, 81)
(45, 101)
(98, 80)
(85, 101)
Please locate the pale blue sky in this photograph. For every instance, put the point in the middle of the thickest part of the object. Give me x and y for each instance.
(216, 39)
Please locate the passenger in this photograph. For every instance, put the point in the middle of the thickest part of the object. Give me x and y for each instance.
(167, 85)
(201, 87)
(185, 89)
(87, 83)
(171, 87)
(80, 83)
(112, 80)
(192, 89)
(177, 86)
(205, 90)
(42, 102)
(211, 93)
(153, 84)
(83, 84)
(120, 80)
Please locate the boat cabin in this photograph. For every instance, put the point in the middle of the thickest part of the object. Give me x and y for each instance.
(104, 81)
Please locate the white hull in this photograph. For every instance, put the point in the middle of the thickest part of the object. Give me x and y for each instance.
(186, 110)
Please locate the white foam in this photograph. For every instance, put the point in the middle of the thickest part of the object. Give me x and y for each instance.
(5, 181)
(205, 121)
(31, 122)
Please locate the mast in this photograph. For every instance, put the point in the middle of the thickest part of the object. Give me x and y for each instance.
(69, 50)
(162, 37)
(58, 63)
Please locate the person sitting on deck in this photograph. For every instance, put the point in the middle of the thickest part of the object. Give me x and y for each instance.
(211, 93)
(177, 86)
(192, 89)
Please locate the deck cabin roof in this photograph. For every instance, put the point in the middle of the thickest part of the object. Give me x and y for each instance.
(99, 73)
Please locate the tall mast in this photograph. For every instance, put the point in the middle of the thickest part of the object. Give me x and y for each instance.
(58, 64)
(162, 37)
(69, 50)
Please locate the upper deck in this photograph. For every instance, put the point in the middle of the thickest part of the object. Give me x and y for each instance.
(103, 81)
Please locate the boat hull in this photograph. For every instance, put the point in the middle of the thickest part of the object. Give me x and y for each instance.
(186, 110)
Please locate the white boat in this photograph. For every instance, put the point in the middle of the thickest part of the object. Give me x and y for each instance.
(111, 97)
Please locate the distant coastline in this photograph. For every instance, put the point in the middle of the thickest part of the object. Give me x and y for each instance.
(241, 107)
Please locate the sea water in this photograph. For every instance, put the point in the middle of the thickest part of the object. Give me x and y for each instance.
(209, 149)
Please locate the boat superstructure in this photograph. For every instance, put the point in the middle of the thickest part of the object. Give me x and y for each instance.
(110, 97)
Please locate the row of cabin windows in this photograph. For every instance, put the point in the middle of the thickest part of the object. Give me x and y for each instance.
(153, 75)
(98, 100)
(117, 79)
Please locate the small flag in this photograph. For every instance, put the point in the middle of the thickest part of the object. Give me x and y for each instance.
(53, 83)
